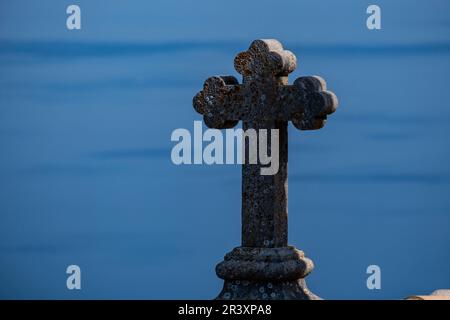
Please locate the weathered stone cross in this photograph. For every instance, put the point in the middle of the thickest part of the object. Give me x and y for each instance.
(265, 267)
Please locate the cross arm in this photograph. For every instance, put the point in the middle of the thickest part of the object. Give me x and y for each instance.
(219, 101)
(308, 102)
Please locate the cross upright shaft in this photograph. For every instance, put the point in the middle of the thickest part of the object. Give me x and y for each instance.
(265, 100)
(264, 197)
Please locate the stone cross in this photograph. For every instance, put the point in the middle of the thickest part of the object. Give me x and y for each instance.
(265, 267)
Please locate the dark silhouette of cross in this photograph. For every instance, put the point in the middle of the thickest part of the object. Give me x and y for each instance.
(265, 267)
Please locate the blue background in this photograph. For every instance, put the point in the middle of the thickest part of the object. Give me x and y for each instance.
(85, 122)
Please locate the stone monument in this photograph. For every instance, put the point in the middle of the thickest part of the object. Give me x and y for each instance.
(265, 266)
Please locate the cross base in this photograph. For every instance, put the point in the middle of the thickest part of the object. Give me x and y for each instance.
(264, 290)
(265, 274)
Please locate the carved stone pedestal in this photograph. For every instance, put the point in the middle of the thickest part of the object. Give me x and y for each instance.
(265, 274)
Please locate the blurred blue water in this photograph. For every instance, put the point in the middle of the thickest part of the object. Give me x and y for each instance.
(85, 170)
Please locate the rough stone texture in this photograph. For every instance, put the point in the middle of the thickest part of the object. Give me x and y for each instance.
(266, 290)
(283, 263)
(265, 267)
